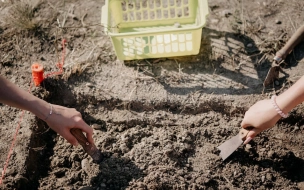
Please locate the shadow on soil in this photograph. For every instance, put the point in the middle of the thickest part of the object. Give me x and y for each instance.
(292, 60)
(288, 165)
(37, 163)
(217, 48)
(248, 66)
(42, 139)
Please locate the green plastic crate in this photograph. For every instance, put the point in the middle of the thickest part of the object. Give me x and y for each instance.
(141, 29)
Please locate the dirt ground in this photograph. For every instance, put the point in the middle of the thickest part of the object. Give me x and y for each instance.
(158, 121)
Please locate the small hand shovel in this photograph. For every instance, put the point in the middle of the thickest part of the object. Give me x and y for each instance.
(89, 148)
(229, 146)
(273, 73)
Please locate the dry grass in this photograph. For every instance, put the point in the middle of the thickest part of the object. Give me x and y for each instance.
(22, 15)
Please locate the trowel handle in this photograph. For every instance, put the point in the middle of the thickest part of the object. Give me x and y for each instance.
(295, 39)
(89, 148)
(243, 133)
(77, 133)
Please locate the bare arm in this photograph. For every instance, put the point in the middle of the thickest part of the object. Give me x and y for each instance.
(292, 97)
(262, 114)
(61, 120)
(12, 95)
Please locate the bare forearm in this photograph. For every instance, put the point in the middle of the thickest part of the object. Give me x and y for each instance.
(292, 97)
(12, 95)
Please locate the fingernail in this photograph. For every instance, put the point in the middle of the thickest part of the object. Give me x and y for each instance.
(248, 139)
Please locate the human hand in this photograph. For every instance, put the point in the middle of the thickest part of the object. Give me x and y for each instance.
(260, 116)
(63, 119)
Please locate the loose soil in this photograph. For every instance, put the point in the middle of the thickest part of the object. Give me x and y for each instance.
(157, 122)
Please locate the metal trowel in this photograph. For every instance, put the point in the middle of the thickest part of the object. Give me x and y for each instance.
(273, 73)
(229, 146)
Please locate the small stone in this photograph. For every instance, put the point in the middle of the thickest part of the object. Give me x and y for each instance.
(278, 22)
(270, 154)
(89, 85)
(277, 83)
(85, 165)
(269, 176)
(263, 178)
(214, 21)
(247, 147)
(226, 13)
(301, 185)
(296, 128)
(270, 33)
(102, 185)
(125, 139)
(262, 149)
(96, 126)
(250, 45)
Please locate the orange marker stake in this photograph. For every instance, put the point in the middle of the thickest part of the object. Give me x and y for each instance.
(37, 73)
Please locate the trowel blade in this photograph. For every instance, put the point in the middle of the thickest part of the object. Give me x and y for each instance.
(272, 75)
(229, 146)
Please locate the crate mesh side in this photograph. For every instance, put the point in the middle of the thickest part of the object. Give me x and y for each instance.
(145, 10)
(158, 44)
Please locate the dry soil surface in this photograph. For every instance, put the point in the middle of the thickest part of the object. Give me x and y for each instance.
(157, 122)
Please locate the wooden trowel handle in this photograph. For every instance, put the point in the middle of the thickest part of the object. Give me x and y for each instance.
(89, 148)
(295, 39)
(83, 141)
